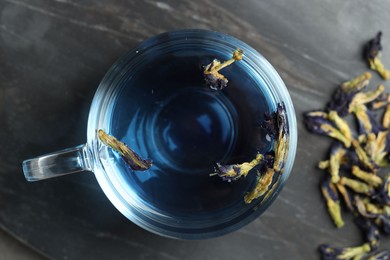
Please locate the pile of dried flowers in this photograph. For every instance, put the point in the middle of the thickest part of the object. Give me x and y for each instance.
(354, 170)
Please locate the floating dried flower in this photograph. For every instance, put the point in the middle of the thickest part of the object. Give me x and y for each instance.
(213, 78)
(280, 144)
(270, 124)
(135, 162)
(263, 183)
(233, 172)
(265, 175)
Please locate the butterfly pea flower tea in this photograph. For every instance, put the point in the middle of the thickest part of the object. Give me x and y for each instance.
(191, 135)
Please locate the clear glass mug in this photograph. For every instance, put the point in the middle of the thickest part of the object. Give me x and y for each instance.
(169, 199)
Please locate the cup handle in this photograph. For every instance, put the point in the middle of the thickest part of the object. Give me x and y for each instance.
(56, 164)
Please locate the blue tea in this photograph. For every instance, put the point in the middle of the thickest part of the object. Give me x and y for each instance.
(165, 112)
(220, 157)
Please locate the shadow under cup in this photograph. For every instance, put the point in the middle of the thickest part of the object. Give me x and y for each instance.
(155, 100)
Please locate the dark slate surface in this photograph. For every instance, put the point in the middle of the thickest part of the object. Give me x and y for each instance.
(52, 57)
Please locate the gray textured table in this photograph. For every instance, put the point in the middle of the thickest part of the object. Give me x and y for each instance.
(53, 55)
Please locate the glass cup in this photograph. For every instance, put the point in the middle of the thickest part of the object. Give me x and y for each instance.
(153, 100)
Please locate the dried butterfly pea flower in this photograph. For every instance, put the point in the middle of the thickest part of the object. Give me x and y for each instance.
(351, 159)
(382, 194)
(373, 236)
(367, 210)
(362, 209)
(372, 54)
(386, 210)
(332, 201)
(381, 255)
(363, 157)
(233, 172)
(357, 186)
(268, 162)
(271, 188)
(368, 177)
(382, 101)
(336, 155)
(370, 144)
(265, 176)
(323, 165)
(344, 160)
(357, 83)
(317, 122)
(270, 124)
(378, 146)
(381, 215)
(346, 195)
(280, 144)
(362, 98)
(345, 93)
(370, 230)
(317, 113)
(341, 124)
(213, 78)
(386, 118)
(332, 253)
(366, 120)
(276, 127)
(383, 221)
(374, 46)
(362, 138)
(135, 162)
(263, 183)
(377, 65)
(340, 102)
(373, 208)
